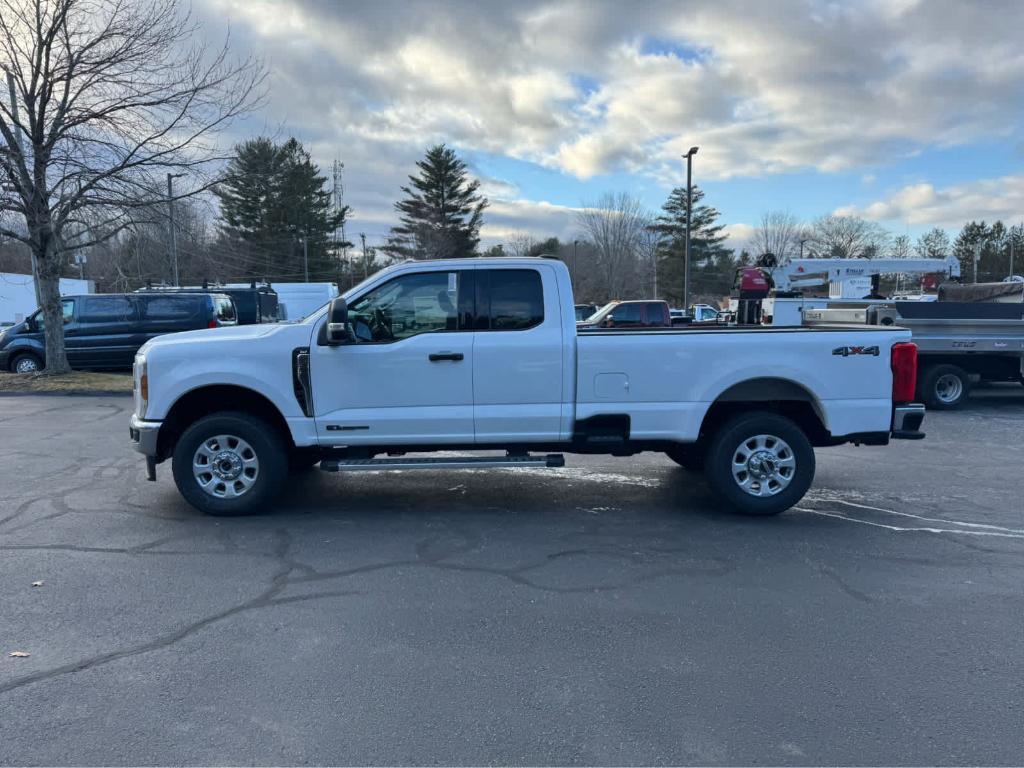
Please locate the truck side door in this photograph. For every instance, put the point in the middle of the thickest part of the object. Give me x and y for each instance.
(518, 355)
(408, 376)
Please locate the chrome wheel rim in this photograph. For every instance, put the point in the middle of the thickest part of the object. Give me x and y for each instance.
(225, 466)
(26, 365)
(948, 388)
(763, 465)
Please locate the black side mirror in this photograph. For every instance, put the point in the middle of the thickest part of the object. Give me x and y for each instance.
(337, 322)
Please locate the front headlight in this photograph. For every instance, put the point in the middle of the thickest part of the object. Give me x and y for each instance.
(140, 372)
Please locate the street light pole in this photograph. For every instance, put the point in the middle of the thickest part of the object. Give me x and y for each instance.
(689, 205)
(170, 218)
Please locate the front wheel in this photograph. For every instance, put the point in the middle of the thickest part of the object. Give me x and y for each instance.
(760, 463)
(26, 362)
(229, 464)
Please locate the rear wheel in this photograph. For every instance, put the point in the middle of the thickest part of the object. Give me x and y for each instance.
(26, 362)
(944, 387)
(229, 464)
(760, 463)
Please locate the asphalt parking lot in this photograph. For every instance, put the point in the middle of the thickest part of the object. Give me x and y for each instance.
(605, 613)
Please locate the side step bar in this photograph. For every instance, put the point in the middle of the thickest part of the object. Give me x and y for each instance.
(551, 460)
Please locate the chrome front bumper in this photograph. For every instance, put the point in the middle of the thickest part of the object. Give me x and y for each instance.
(144, 435)
(906, 421)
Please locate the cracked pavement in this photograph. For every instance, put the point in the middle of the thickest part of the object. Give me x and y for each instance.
(605, 613)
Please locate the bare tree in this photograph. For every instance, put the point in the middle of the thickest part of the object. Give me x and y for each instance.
(778, 233)
(113, 95)
(901, 247)
(519, 244)
(847, 237)
(615, 225)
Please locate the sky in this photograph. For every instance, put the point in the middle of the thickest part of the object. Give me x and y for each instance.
(905, 112)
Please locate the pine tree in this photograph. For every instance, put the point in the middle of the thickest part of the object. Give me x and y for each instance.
(709, 259)
(273, 198)
(933, 244)
(993, 262)
(442, 211)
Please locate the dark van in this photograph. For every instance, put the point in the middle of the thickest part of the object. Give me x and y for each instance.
(253, 303)
(103, 331)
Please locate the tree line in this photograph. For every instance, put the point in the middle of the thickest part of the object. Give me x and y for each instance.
(112, 104)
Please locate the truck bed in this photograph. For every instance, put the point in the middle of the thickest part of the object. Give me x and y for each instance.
(666, 378)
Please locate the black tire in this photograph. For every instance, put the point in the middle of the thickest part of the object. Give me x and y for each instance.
(266, 444)
(23, 358)
(689, 456)
(726, 444)
(944, 387)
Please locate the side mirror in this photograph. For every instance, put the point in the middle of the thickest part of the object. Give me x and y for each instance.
(337, 322)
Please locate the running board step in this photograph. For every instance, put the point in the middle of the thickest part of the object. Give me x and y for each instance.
(551, 460)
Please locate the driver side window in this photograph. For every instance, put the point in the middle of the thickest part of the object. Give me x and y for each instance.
(67, 309)
(423, 302)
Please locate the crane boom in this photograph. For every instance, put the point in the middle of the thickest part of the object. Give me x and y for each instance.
(804, 273)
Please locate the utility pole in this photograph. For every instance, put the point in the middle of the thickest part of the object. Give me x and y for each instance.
(575, 245)
(305, 255)
(21, 150)
(977, 258)
(14, 110)
(802, 241)
(170, 218)
(689, 205)
(1013, 239)
(366, 261)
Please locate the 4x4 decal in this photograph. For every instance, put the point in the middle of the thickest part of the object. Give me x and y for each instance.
(847, 351)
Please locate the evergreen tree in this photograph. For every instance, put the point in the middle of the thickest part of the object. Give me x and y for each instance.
(441, 212)
(549, 247)
(710, 260)
(933, 244)
(994, 249)
(273, 202)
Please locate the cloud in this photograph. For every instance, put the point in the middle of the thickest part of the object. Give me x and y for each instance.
(952, 206)
(738, 235)
(505, 219)
(593, 87)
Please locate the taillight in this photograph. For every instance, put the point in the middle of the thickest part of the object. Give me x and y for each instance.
(904, 371)
(212, 324)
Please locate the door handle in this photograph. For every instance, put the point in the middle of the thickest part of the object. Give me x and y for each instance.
(438, 356)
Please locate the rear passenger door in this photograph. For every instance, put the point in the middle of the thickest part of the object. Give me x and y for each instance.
(517, 356)
(103, 336)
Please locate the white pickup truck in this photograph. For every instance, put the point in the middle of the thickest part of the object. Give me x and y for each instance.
(484, 355)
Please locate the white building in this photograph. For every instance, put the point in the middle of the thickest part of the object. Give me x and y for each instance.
(18, 295)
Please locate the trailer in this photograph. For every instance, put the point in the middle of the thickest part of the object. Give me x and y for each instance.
(959, 343)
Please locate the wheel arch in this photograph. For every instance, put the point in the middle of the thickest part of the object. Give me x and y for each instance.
(773, 394)
(212, 398)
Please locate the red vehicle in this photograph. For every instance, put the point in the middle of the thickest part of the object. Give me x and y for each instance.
(630, 314)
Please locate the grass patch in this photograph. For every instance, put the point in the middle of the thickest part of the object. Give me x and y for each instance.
(66, 383)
